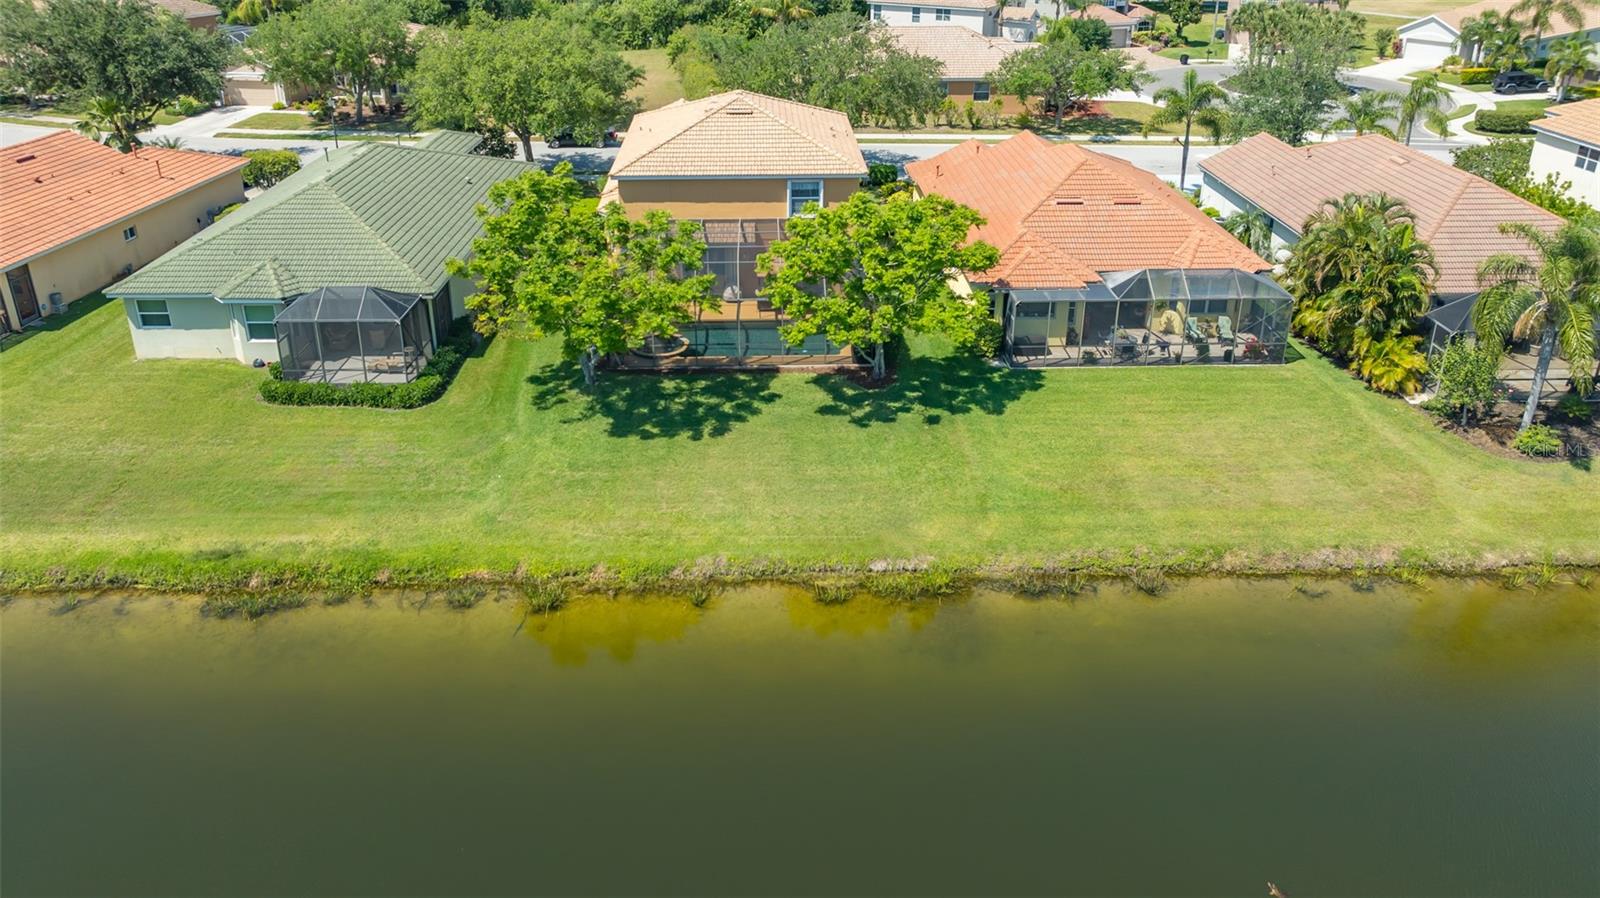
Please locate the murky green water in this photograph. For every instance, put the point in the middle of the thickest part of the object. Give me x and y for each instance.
(1403, 742)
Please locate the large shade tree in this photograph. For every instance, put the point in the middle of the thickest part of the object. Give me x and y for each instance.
(127, 60)
(869, 269)
(1551, 297)
(548, 263)
(539, 76)
(1064, 74)
(1290, 80)
(1361, 279)
(359, 45)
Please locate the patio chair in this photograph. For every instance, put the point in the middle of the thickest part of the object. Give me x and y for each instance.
(1191, 330)
(1225, 328)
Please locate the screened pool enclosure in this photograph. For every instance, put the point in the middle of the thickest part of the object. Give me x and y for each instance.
(346, 335)
(1155, 316)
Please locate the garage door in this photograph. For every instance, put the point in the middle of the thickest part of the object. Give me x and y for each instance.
(249, 93)
(1430, 52)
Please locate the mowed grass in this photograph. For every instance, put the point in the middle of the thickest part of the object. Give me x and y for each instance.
(108, 459)
(661, 84)
(1409, 9)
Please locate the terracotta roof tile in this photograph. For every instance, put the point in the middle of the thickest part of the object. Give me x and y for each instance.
(1061, 214)
(1454, 17)
(1457, 212)
(1578, 121)
(965, 54)
(189, 9)
(62, 186)
(1111, 17)
(1018, 14)
(738, 133)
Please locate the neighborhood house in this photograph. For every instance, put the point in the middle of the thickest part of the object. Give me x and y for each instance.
(1457, 213)
(338, 272)
(739, 164)
(967, 58)
(1566, 146)
(1102, 263)
(76, 215)
(1429, 39)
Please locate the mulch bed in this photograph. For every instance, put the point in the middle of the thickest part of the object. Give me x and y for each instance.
(1495, 432)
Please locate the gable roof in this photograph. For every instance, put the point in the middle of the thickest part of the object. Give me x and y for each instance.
(1457, 212)
(1574, 121)
(738, 134)
(62, 186)
(1060, 214)
(1453, 18)
(375, 214)
(188, 9)
(965, 54)
(1111, 17)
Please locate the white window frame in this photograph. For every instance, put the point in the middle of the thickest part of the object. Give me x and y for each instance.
(916, 14)
(941, 15)
(981, 87)
(164, 312)
(819, 201)
(244, 315)
(877, 12)
(1588, 158)
(131, 232)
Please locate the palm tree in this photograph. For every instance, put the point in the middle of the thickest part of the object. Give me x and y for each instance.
(1505, 49)
(1425, 97)
(1252, 229)
(784, 10)
(1477, 31)
(1541, 14)
(1569, 58)
(1554, 296)
(1081, 7)
(110, 122)
(1361, 279)
(1366, 112)
(1194, 101)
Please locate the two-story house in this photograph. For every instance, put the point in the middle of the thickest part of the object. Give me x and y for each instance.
(740, 164)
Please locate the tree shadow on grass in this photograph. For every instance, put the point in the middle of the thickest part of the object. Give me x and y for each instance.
(930, 388)
(74, 313)
(656, 406)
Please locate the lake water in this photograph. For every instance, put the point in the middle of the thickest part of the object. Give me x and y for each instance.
(1438, 741)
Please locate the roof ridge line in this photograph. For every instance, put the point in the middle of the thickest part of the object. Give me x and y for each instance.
(808, 138)
(1449, 208)
(362, 222)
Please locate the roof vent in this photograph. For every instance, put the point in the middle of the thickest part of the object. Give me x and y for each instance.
(28, 158)
(740, 112)
(1399, 160)
(1069, 201)
(1126, 201)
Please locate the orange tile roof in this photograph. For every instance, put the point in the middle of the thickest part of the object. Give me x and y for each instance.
(1060, 214)
(189, 9)
(738, 134)
(1578, 121)
(1559, 28)
(57, 188)
(1457, 212)
(1111, 17)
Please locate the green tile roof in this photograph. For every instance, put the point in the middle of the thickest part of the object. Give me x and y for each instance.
(372, 214)
(450, 141)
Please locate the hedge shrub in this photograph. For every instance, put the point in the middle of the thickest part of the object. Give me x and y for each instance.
(267, 167)
(429, 385)
(1538, 441)
(1476, 75)
(1498, 121)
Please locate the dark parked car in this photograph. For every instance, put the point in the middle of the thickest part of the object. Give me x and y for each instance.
(565, 139)
(1519, 83)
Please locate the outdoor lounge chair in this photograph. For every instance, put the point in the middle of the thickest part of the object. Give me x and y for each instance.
(1191, 331)
(1225, 328)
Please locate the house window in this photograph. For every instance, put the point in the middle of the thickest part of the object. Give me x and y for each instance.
(258, 323)
(980, 90)
(916, 13)
(129, 232)
(1588, 157)
(941, 15)
(153, 313)
(803, 192)
(1208, 307)
(877, 12)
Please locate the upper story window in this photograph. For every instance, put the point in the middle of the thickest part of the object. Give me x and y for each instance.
(941, 15)
(980, 90)
(803, 192)
(129, 233)
(1588, 158)
(916, 13)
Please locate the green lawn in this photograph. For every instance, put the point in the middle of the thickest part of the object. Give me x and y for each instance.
(108, 459)
(661, 84)
(33, 122)
(1121, 118)
(278, 121)
(1196, 40)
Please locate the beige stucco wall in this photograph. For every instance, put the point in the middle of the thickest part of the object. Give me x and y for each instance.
(961, 91)
(84, 266)
(723, 198)
(201, 329)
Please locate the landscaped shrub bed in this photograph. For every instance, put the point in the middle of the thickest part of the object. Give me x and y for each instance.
(1475, 76)
(429, 385)
(1499, 121)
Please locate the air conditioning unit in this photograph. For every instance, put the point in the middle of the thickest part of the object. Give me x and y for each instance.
(57, 304)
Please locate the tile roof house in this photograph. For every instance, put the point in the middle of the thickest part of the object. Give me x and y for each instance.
(739, 163)
(371, 217)
(1566, 146)
(977, 16)
(75, 215)
(1429, 39)
(966, 56)
(1457, 212)
(1103, 262)
(199, 16)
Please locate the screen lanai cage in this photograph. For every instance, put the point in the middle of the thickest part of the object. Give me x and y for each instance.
(1155, 316)
(348, 335)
